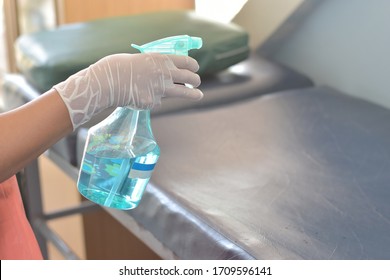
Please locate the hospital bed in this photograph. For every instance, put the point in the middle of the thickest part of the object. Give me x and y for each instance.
(267, 166)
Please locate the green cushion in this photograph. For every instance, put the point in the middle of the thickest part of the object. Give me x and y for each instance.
(48, 57)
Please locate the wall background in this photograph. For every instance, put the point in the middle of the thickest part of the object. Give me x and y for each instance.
(343, 44)
(262, 17)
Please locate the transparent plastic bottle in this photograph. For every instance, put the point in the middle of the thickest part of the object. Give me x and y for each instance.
(119, 158)
(121, 152)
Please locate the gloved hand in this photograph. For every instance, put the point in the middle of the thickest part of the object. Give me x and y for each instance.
(135, 80)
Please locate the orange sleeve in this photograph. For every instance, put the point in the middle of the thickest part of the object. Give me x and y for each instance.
(17, 239)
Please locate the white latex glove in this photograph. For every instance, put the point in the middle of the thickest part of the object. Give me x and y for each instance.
(135, 80)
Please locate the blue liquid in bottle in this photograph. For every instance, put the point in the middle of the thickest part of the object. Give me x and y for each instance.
(117, 182)
(116, 174)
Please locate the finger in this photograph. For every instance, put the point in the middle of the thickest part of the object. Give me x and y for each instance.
(183, 91)
(184, 62)
(185, 77)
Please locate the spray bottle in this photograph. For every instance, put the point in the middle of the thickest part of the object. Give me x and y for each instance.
(120, 153)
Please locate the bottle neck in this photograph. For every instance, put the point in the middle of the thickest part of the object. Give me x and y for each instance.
(137, 120)
(144, 112)
(134, 109)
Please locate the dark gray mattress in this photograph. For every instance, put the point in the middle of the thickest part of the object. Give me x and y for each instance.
(303, 174)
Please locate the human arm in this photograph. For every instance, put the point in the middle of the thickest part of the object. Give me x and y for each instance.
(26, 132)
(139, 80)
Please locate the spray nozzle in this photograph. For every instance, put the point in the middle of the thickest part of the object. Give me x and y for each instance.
(180, 45)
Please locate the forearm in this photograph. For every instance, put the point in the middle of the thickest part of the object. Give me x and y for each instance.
(28, 131)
